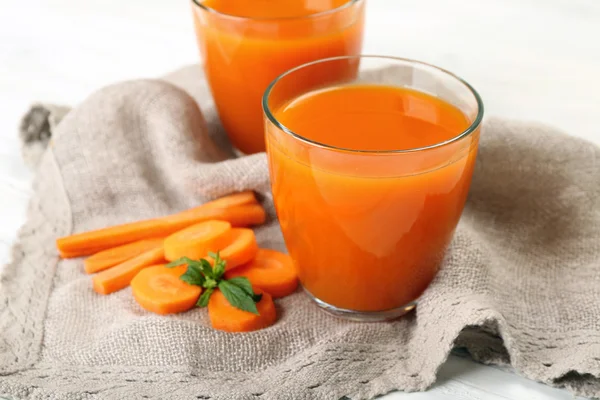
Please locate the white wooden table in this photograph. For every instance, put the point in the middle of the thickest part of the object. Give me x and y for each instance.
(530, 59)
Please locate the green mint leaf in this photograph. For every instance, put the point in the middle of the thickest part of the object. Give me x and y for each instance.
(210, 283)
(257, 297)
(219, 269)
(193, 276)
(243, 283)
(206, 268)
(203, 300)
(238, 297)
(180, 261)
(219, 265)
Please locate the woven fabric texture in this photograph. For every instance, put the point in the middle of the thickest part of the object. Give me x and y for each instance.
(519, 284)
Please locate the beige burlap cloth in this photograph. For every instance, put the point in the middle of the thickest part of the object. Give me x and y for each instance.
(520, 285)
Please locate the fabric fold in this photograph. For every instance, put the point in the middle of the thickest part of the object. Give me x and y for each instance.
(518, 286)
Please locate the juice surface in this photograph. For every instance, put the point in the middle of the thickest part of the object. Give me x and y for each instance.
(367, 232)
(242, 56)
(273, 8)
(369, 117)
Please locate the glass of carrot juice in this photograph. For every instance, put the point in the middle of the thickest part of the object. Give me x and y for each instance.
(370, 173)
(245, 44)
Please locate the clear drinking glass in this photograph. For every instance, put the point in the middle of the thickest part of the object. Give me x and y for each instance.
(242, 55)
(368, 229)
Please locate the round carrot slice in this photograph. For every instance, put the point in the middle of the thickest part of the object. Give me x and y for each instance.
(197, 241)
(158, 289)
(225, 317)
(270, 271)
(241, 249)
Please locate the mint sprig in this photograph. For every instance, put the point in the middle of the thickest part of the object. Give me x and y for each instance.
(238, 291)
(204, 297)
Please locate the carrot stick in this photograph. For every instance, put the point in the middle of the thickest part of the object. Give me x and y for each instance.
(93, 241)
(68, 255)
(248, 215)
(158, 289)
(225, 317)
(116, 255)
(119, 277)
(86, 243)
(270, 271)
(197, 240)
(242, 248)
(232, 200)
(239, 216)
(223, 203)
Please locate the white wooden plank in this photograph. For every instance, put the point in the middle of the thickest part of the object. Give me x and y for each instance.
(461, 379)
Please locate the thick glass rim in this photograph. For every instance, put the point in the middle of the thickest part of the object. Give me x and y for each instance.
(348, 4)
(472, 128)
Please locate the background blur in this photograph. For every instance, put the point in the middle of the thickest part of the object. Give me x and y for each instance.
(533, 59)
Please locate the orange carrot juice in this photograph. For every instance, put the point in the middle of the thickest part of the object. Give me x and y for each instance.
(369, 183)
(245, 44)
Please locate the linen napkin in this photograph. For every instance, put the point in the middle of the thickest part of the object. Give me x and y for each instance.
(520, 284)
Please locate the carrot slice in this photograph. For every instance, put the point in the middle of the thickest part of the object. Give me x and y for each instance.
(119, 276)
(225, 317)
(197, 240)
(111, 257)
(86, 243)
(158, 289)
(270, 271)
(242, 248)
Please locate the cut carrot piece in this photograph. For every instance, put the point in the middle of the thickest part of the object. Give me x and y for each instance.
(232, 200)
(224, 203)
(158, 289)
(68, 255)
(86, 243)
(239, 216)
(119, 276)
(248, 215)
(241, 248)
(111, 257)
(197, 240)
(270, 271)
(83, 244)
(225, 317)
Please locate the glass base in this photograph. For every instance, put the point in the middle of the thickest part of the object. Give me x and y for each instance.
(362, 316)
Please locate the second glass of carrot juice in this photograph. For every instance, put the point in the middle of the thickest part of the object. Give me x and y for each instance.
(370, 173)
(246, 44)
